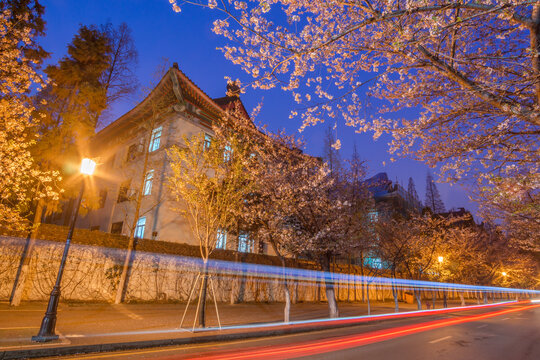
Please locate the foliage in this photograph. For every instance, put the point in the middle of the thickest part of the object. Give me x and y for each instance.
(470, 68)
(22, 181)
(210, 184)
(433, 198)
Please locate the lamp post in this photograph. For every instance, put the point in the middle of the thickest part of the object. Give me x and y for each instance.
(441, 260)
(48, 324)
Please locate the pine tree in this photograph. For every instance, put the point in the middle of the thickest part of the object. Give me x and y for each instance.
(411, 190)
(433, 198)
(331, 152)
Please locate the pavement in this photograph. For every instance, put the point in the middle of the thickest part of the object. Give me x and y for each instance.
(507, 332)
(87, 327)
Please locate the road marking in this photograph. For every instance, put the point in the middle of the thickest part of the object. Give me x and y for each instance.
(482, 326)
(505, 319)
(128, 313)
(20, 328)
(441, 339)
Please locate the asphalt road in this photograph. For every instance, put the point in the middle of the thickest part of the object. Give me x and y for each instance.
(509, 333)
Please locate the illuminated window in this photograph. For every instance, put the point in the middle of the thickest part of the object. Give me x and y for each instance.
(227, 152)
(245, 244)
(221, 242)
(155, 139)
(207, 141)
(148, 182)
(139, 229)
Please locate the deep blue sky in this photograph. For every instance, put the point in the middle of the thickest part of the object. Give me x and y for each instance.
(186, 38)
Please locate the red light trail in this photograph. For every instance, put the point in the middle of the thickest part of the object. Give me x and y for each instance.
(318, 347)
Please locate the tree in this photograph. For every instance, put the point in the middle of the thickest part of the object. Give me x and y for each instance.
(411, 190)
(472, 69)
(27, 16)
(119, 79)
(23, 182)
(433, 198)
(210, 184)
(144, 129)
(74, 98)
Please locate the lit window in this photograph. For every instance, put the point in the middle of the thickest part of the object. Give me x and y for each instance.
(139, 229)
(207, 141)
(221, 242)
(227, 152)
(148, 182)
(245, 244)
(155, 139)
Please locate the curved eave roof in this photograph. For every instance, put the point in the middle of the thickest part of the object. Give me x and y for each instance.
(164, 92)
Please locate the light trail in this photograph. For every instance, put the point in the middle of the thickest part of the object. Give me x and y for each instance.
(325, 322)
(347, 342)
(264, 273)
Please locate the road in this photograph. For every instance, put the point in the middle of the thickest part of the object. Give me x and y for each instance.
(509, 333)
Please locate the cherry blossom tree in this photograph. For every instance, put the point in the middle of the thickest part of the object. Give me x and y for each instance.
(22, 181)
(210, 184)
(470, 68)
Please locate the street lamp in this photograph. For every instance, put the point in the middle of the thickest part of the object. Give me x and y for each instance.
(441, 259)
(48, 324)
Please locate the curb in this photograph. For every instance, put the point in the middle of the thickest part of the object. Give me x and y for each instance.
(134, 345)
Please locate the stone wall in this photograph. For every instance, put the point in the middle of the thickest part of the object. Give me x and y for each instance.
(92, 274)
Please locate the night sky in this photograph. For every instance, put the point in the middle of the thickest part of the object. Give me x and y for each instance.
(186, 38)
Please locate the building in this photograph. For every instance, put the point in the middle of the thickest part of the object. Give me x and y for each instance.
(175, 108)
(390, 196)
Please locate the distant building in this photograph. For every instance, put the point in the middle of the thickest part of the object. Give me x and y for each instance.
(391, 196)
(181, 109)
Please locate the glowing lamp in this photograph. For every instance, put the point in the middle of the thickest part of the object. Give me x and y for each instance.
(88, 166)
(504, 273)
(441, 259)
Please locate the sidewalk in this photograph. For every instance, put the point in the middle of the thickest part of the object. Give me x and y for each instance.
(100, 327)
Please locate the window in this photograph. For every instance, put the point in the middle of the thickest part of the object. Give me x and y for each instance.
(245, 244)
(207, 141)
(132, 152)
(148, 182)
(139, 229)
(221, 242)
(116, 228)
(227, 152)
(123, 192)
(102, 198)
(155, 139)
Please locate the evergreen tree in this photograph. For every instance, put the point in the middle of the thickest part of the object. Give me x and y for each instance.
(331, 152)
(411, 190)
(433, 198)
(70, 104)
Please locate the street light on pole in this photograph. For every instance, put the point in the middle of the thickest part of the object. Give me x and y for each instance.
(48, 324)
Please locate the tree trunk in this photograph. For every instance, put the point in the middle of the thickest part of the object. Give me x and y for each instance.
(287, 309)
(445, 301)
(329, 288)
(130, 254)
(26, 256)
(202, 300)
(367, 297)
(462, 299)
(418, 296)
(395, 292)
(433, 298)
(234, 280)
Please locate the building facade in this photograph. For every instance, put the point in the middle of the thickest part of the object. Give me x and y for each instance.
(176, 108)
